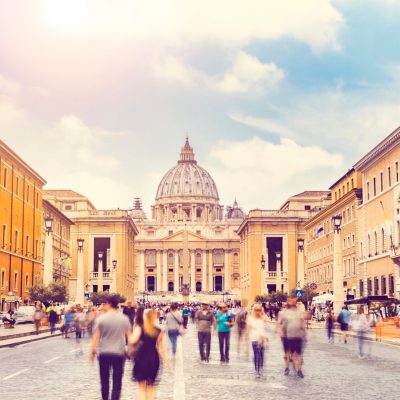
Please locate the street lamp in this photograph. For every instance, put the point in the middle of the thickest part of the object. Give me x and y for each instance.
(114, 263)
(48, 223)
(262, 262)
(337, 221)
(80, 244)
(278, 255)
(300, 244)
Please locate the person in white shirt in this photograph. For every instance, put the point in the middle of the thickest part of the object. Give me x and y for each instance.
(258, 337)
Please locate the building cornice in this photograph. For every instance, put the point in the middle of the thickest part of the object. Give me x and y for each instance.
(384, 147)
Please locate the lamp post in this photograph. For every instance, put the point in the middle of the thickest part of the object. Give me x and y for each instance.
(48, 252)
(300, 263)
(263, 281)
(114, 276)
(79, 274)
(338, 294)
(278, 255)
(100, 255)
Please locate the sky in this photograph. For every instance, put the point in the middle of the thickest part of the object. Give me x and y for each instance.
(276, 97)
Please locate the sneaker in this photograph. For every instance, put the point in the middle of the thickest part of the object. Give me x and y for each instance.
(300, 374)
(286, 371)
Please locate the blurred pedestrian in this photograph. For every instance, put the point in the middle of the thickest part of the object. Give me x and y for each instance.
(330, 321)
(37, 317)
(109, 337)
(344, 321)
(129, 311)
(204, 319)
(68, 320)
(174, 321)
(361, 327)
(53, 318)
(224, 325)
(185, 315)
(293, 328)
(241, 324)
(258, 337)
(149, 337)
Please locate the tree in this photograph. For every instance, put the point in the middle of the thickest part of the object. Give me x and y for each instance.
(307, 295)
(55, 292)
(58, 292)
(38, 293)
(101, 297)
(278, 297)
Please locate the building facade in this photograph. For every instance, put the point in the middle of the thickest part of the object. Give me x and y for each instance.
(107, 239)
(272, 236)
(379, 219)
(190, 230)
(56, 244)
(346, 196)
(21, 191)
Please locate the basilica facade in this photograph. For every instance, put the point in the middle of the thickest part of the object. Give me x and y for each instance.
(189, 234)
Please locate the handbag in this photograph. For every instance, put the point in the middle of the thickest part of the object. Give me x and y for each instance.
(181, 328)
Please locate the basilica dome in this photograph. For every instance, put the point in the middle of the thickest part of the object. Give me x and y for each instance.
(187, 179)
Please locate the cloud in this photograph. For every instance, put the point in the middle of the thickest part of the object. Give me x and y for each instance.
(246, 75)
(228, 22)
(9, 87)
(256, 169)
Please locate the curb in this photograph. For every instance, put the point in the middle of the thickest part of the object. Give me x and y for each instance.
(17, 335)
(28, 340)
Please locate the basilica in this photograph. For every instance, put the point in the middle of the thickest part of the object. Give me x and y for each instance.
(187, 217)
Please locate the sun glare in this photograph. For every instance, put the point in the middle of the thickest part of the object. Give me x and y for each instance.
(65, 15)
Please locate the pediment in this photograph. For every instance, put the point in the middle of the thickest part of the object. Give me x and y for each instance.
(179, 237)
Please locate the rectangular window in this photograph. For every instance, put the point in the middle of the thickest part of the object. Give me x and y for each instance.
(369, 286)
(396, 170)
(3, 237)
(27, 246)
(5, 178)
(36, 249)
(37, 200)
(15, 281)
(354, 266)
(383, 284)
(27, 194)
(361, 288)
(367, 190)
(391, 285)
(16, 242)
(381, 176)
(374, 185)
(376, 286)
(17, 185)
(26, 282)
(352, 183)
(3, 279)
(389, 177)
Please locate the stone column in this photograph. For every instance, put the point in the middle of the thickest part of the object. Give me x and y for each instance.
(227, 273)
(165, 271)
(204, 271)
(48, 259)
(192, 271)
(141, 272)
(79, 297)
(278, 275)
(176, 272)
(338, 293)
(100, 271)
(158, 282)
(210, 271)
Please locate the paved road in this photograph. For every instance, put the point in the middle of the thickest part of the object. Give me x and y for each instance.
(52, 369)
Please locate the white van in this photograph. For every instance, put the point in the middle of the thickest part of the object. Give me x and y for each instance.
(24, 314)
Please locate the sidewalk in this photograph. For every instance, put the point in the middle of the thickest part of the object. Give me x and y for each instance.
(23, 333)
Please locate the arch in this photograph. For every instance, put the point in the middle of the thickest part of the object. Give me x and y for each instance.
(151, 283)
(170, 286)
(383, 240)
(198, 286)
(376, 242)
(198, 258)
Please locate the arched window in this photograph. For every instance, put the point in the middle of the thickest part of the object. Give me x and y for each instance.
(376, 243)
(369, 245)
(198, 286)
(170, 286)
(383, 240)
(151, 259)
(170, 259)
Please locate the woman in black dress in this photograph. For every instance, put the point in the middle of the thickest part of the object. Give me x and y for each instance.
(147, 358)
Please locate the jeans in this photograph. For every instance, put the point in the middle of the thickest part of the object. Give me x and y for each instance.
(204, 345)
(116, 363)
(185, 321)
(330, 332)
(173, 337)
(258, 350)
(224, 338)
(52, 327)
(360, 336)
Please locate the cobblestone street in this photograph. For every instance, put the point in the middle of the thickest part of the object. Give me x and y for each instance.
(54, 369)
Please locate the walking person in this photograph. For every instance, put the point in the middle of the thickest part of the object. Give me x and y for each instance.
(37, 317)
(258, 337)
(241, 324)
(224, 325)
(53, 318)
(344, 321)
(361, 327)
(148, 356)
(129, 311)
(109, 337)
(185, 315)
(173, 322)
(330, 321)
(204, 319)
(293, 328)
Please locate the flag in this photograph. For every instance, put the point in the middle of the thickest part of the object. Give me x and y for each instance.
(319, 230)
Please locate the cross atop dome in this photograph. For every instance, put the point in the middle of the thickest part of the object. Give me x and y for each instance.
(187, 155)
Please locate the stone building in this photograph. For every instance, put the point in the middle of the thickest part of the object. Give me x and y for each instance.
(20, 227)
(103, 241)
(379, 219)
(187, 216)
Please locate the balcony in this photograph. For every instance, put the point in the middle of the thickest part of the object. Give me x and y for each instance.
(94, 276)
(395, 255)
(273, 275)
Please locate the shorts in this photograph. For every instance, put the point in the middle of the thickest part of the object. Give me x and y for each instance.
(285, 344)
(294, 345)
(344, 327)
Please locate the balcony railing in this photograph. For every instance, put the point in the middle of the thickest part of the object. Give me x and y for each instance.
(274, 275)
(95, 276)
